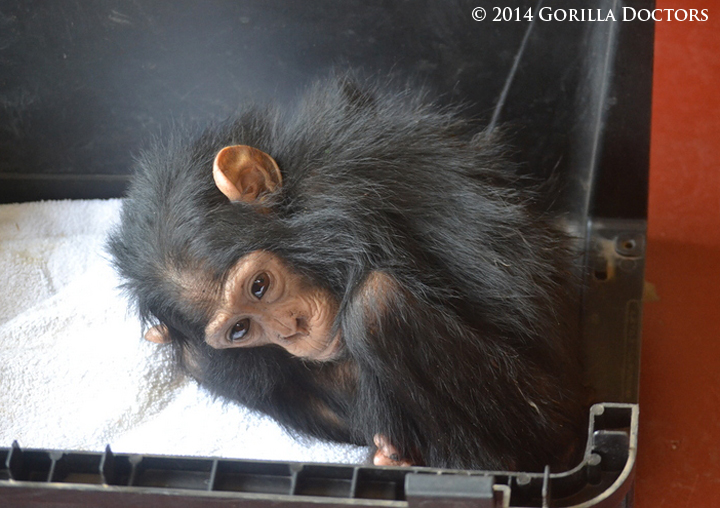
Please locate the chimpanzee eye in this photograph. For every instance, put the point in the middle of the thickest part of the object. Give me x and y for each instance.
(239, 330)
(260, 285)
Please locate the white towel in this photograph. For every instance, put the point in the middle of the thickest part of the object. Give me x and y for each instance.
(74, 370)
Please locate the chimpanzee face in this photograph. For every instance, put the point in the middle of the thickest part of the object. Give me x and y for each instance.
(263, 303)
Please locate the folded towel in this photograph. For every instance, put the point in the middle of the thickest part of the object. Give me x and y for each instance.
(74, 370)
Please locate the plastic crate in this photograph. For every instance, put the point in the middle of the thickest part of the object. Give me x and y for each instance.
(35, 477)
(84, 85)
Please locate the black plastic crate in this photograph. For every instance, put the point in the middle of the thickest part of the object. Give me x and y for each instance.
(84, 85)
(36, 477)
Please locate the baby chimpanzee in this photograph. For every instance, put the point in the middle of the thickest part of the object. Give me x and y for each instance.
(363, 269)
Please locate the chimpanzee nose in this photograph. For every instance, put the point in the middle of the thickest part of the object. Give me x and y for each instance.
(290, 328)
(283, 326)
(301, 325)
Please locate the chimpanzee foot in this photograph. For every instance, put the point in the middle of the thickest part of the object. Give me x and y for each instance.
(387, 454)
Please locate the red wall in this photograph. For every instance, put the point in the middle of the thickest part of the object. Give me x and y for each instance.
(679, 455)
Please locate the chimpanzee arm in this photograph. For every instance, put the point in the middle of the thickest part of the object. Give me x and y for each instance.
(311, 398)
(435, 388)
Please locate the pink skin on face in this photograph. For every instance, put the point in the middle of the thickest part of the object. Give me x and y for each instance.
(264, 303)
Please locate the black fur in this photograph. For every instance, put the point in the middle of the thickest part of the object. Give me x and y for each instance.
(467, 362)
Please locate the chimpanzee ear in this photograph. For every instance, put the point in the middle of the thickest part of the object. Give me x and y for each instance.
(244, 173)
(158, 334)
